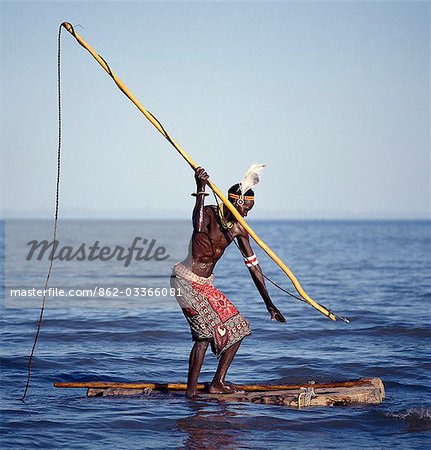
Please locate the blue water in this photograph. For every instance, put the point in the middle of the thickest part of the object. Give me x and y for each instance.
(377, 273)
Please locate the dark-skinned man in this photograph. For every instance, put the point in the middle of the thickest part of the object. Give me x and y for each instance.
(213, 319)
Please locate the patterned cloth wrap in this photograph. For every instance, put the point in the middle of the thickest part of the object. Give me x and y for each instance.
(210, 314)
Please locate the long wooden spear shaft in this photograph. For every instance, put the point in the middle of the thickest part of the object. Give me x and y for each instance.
(193, 165)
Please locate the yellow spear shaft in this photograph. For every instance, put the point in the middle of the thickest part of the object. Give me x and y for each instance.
(193, 165)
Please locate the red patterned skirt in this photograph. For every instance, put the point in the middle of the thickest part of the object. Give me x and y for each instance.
(210, 314)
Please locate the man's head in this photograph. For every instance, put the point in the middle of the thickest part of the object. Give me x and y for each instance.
(242, 202)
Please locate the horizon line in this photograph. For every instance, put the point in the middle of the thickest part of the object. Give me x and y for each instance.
(257, 219)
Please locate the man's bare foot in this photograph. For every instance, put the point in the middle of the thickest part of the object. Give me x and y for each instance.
(223, 388)
(191, 394)
(233, 386)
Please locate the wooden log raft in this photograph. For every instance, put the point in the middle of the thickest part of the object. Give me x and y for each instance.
(364, 390)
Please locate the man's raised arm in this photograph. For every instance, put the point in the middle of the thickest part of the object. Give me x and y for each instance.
(201, 178)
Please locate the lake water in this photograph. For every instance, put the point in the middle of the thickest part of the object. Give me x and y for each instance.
(376, 273)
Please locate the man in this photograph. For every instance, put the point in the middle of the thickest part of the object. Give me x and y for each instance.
(211, 316)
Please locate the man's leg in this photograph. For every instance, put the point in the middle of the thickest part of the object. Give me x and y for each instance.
(218, 385)
(195, 365)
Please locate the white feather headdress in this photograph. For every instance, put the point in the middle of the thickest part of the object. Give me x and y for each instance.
(251, 177)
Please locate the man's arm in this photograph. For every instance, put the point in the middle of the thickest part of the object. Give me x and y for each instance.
(259, 281)
(198, 216)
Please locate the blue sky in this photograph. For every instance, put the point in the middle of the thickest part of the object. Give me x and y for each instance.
(333, 96)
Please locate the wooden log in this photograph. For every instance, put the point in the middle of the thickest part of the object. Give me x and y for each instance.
(365, 390)
(202, 387)
(371, 393)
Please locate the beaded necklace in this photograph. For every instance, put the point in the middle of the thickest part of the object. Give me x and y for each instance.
(226, 224)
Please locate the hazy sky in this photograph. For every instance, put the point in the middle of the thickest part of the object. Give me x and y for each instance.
(333, 96)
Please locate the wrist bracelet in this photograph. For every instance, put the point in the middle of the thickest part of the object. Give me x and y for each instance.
(200, 193)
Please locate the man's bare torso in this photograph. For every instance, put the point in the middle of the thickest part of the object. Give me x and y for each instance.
(208, 246)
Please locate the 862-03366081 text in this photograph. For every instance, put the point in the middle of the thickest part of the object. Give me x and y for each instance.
(97, 292)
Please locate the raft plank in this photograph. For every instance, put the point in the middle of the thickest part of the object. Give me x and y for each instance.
(364, 390)
(201, 386)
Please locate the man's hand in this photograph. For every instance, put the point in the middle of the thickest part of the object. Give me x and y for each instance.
(276, 315)
(201, 178)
